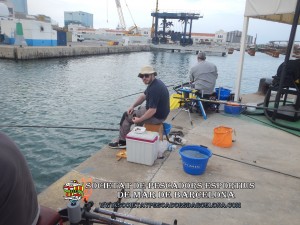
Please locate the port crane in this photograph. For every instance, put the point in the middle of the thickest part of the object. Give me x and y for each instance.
(134, 29)
(121, 17)
(153, 23)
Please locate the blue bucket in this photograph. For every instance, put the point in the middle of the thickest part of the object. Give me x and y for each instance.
(233, 109)
(167, 128)
(194, 158)
(224, 93)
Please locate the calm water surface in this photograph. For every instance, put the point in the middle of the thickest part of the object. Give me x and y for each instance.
(87, 92)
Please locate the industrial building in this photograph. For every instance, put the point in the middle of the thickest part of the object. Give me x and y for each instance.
(235, 37)
(220, 37)
(20, 6)
(16, 8)
(18, 28)
(33, 33)
(81, 18)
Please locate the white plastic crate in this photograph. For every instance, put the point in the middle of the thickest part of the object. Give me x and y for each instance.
(142, 147)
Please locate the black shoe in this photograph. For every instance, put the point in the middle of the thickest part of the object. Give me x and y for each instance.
(118, 144)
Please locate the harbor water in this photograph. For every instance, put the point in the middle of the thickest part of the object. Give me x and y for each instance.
(93, 92)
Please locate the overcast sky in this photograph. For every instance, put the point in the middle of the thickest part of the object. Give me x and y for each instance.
(217, 14)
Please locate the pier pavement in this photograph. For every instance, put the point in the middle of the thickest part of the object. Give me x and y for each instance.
(263, 156)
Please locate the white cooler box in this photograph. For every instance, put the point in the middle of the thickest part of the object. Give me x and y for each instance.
(142, 147)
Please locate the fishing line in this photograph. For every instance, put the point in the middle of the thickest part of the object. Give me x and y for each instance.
(59, 127)
(71, 127)
(275, 171)
(125, 96)
(134, 94)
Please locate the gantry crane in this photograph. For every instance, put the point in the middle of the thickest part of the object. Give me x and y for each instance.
(121, 17)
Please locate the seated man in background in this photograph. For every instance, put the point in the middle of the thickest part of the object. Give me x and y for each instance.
(203, 77)
(18, 198)
(155, 111)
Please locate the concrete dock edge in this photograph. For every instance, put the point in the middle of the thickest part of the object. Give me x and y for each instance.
(27, 53)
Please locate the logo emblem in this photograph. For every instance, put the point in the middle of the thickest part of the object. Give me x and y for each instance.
(74, 191)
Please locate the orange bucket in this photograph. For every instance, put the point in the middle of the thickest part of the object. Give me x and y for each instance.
(222, 137)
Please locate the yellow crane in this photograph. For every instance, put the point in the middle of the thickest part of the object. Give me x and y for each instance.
(153, 23)
(131, 30)
(134, 29)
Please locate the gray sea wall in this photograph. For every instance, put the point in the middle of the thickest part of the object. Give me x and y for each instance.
(25, 53)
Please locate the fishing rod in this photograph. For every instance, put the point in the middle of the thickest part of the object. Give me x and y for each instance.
(59, 127)
(253, 106)
(140, 92)
(235, 104)
(261, 167)
(77, 215)
(125, 96)
(130, 217)
(69, 127)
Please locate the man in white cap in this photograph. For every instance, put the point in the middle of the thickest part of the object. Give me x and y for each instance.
(204, 75)
(155, 111)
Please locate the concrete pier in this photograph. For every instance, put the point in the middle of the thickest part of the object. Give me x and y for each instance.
(194, 49)
(25, 53)
(260, 170)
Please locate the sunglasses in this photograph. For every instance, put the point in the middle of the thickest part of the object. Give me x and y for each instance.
(144, 75)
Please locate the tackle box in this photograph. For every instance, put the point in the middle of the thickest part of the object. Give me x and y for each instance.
(142, 147)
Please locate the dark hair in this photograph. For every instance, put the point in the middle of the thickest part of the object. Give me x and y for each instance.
(202, 55)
